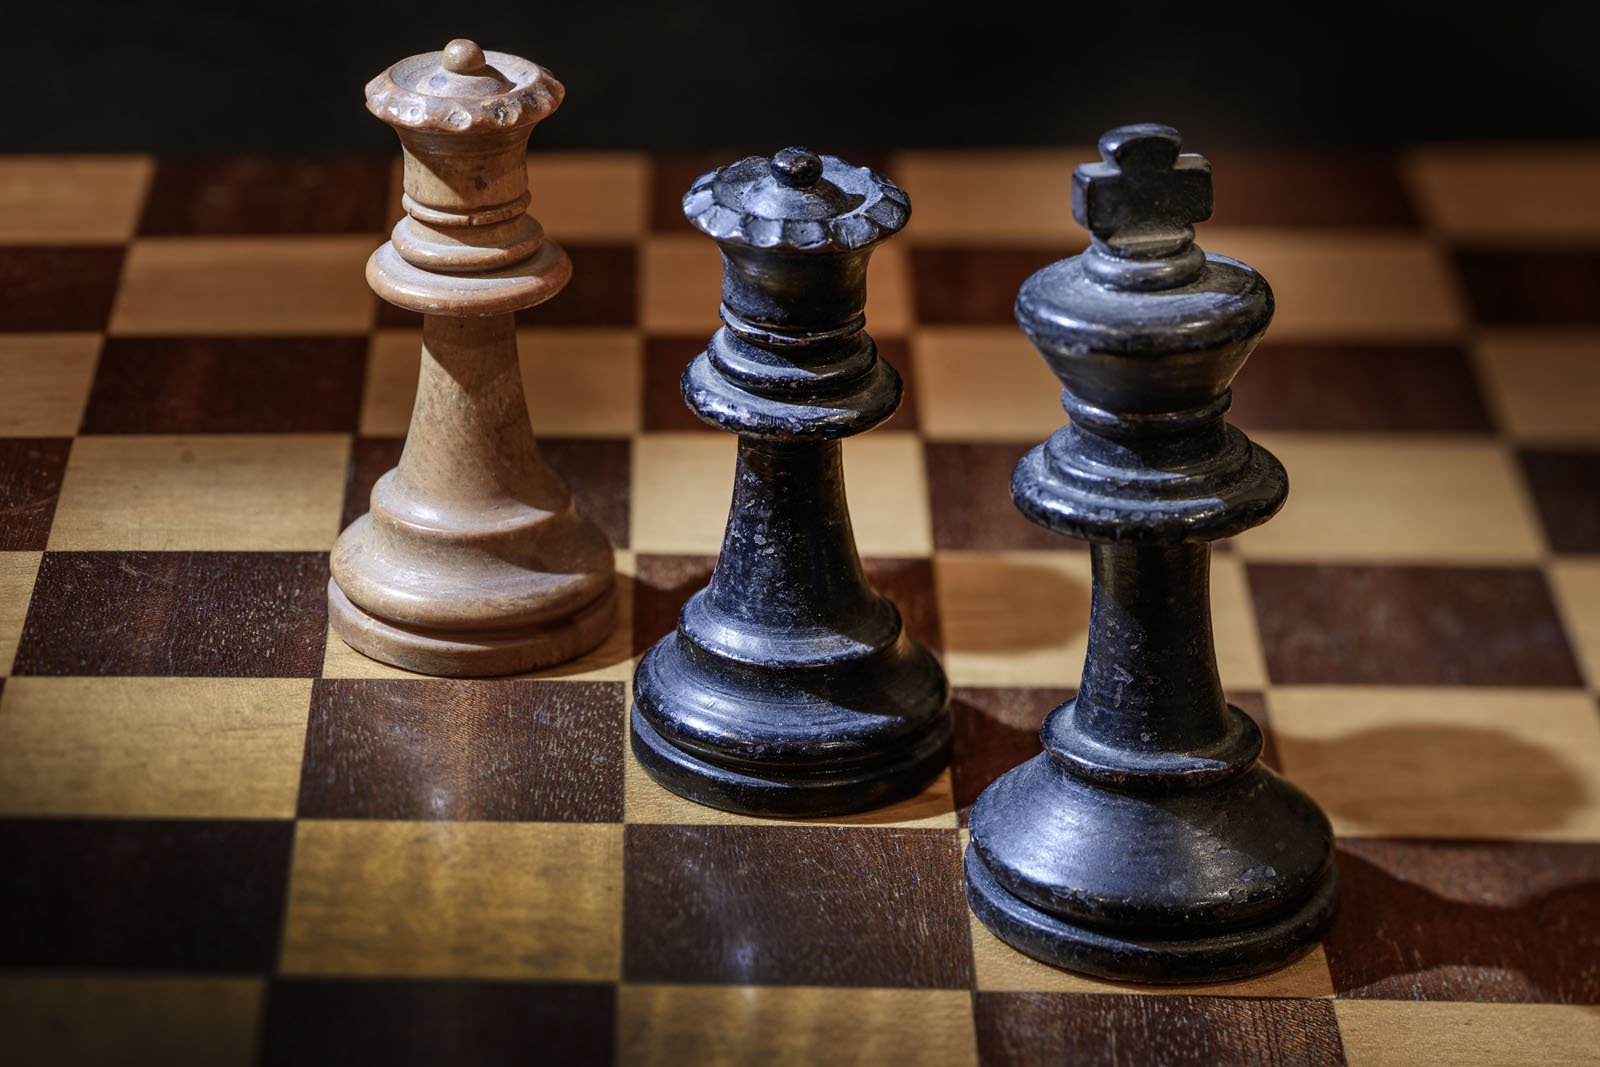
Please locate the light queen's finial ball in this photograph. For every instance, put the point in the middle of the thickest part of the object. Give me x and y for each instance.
(462, 56)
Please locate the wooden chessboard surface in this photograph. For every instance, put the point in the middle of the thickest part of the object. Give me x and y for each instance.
(229, 839)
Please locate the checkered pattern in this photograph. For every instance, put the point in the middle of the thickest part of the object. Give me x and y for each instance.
(228, 838)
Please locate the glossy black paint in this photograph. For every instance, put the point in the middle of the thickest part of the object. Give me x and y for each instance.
(1147, 842)
(790, 687)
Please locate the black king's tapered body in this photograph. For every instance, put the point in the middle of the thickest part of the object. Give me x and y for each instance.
(1146, 842)
(790, 687)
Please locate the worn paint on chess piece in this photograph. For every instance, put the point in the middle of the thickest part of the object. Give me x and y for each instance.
(472, 560)
(1147, 842)
(790, 686)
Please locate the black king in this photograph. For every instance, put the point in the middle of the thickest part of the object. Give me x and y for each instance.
(790, 686)
(1147, 842)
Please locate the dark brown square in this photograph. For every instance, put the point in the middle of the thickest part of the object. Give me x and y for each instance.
(958, 286)
(227, 385)
(1373, 625)
(1507, 921)
(1107, 1030)
(598, 470)
(1566, 488)
(663, 583)
(998, 728)
(257, 195)
(491, 750)
(184, 614)
(58, 288)
(795, 905)
(1554, 286)
(603, 291)
(399, 1022)
(969, 497)
(664, 361)
(1308, 189)
(31, 469)
(190, 895)
(1359, 388)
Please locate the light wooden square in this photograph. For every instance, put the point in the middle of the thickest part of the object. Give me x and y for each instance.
(681, 287)
(245, 285)
(17, 572)
(795, 1026)
(887, 486)
(1402, 1033)
(682, 487)
(46, 380)
(612, 661)
(1001, 968)
(1544, 384)
(590, 196)
(579, 383)
(136, 1019)
(1348, 285)
(1517, 194)
(992, 198)
(1463, 762)
(1397, 499)
(246, 492)
(1576, 585)
(71, 199)
(456, 899)
(983, 384)
(1013, 618)
(210, 748)
(1233, 623)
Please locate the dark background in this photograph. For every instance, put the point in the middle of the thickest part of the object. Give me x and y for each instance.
(693, 75)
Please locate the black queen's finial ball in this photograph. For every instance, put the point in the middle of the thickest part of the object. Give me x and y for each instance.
(798, 168)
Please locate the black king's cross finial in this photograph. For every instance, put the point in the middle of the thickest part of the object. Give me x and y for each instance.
(1141, 205)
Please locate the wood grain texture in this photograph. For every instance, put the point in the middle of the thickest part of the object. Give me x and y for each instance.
(1506, 921)
(1398, 1034)
(183, 614)
(1349, 388)
(17, 573)
(234, 492)
(780, 905)
(157, 747)
(259, 195)
(969, 499)
(984, 384)
(455, 900)
(1021, 1028)
(147, 895)
(464, 750)
(975, 286)
(1542, 383)
(47, 378)
(1407, 625)
(400, 1022)
(667, 1025)
(31, 470)
(58, 287)
(144, 1019)
(235, 385)
(71, 199)
(1444, 763)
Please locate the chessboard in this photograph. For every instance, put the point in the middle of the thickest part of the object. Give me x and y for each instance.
(228, 838)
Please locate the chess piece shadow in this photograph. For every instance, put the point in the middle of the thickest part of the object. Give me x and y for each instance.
(1438, 781)
(1395, 938)
(1024, 607)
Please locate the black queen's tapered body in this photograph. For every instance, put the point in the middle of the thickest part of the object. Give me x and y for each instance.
(1147, 842)
(790, 686)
